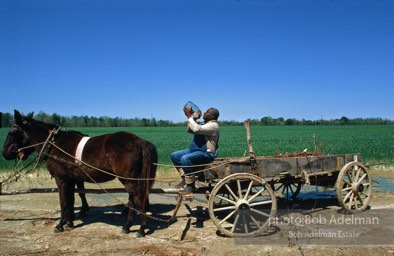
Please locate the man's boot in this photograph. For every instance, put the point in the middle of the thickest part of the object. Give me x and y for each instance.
(189, 179)
(182, 182)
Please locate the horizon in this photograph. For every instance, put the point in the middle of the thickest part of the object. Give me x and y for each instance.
(220, 120)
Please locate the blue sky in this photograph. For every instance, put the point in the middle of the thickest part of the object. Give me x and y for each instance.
(307, 59)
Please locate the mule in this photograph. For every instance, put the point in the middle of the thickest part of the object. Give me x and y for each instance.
(121, 155)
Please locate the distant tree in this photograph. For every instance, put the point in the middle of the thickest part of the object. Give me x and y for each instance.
(56, 119)
(267, 120)
(344, 120)
(7, 120)
(290, 121)
(86, 121)
(41, 116)
(280, 121)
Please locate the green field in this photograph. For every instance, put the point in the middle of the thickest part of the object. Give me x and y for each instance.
(375, 143)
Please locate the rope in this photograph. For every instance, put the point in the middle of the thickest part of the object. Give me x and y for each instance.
(31, 146)
(127, 178)
(17, 174)
(49, 141)
(181, 166)
(119, 201)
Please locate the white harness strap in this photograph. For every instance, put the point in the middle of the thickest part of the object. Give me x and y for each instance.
(78, 152)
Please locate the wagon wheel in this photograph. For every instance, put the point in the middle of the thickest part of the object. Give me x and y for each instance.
(354, 187)
(288, 188)
(241, 205)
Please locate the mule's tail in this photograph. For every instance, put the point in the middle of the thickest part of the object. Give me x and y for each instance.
(149, 167)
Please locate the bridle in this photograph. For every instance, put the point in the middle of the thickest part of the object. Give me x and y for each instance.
(44, 151)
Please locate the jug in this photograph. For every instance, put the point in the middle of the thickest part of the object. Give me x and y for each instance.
(191, 105)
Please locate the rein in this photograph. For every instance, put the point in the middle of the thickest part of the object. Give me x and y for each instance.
(46, 147)
(126, 178)
(50, 142)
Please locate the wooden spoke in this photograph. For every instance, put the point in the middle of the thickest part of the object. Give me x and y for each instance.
(360, 199)
(288, 187)
(256, 195)
(362, 178)
(228, 217)
(347, 196)
(224, 208)
(239, 188)
(231, 191)
(261, 203)
(235, 223)
(350, 204)
(280, 187)
(255, 221)
(249, 189)
(260, 213)
(349, 177)
(245, 224)
(226, 199)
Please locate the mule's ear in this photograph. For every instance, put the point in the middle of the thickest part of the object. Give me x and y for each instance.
(30, 115)
(18, 117)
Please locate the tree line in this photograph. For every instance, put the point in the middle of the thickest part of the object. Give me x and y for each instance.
(7, 120)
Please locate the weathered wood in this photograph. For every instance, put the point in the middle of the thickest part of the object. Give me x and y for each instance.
(249, 138)
(269, 167)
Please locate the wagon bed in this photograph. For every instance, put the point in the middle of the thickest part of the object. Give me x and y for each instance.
(270, 167)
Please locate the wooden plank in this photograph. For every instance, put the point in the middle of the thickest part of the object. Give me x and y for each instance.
(272, 167)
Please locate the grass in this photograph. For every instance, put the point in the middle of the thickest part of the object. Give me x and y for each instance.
(375, 143)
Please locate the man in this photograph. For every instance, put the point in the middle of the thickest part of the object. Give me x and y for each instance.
(202, 150)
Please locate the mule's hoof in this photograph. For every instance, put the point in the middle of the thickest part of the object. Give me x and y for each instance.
(140, 234)
(58, 229)
(125, 230)
(69, 226)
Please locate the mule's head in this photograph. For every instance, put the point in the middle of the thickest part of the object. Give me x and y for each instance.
(17, 140)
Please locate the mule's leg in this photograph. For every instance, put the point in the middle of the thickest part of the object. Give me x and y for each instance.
(85, 206)
(130, 216)
(142, 204)
(59, 227)
(66, 197)
(70, 201)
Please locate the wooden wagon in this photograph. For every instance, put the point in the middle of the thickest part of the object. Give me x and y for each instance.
(243, 192)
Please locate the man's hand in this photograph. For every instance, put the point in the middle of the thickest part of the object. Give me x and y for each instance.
(198, 115)
(188, 112)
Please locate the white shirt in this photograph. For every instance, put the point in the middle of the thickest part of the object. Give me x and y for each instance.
(210, 130)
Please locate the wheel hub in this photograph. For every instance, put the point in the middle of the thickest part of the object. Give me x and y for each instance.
(242, 205)
(357, 187)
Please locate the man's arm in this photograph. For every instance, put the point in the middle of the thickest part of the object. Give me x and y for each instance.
(209, 128)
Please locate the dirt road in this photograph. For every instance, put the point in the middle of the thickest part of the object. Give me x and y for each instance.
(27, 223)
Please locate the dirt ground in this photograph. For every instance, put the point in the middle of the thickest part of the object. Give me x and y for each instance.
(27, 224)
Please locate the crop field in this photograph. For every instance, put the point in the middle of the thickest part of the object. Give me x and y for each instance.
(375, 143)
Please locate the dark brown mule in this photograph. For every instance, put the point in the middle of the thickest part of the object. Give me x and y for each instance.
(121, 154)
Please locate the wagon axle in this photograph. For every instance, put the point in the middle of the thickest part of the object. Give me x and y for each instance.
(357, 187)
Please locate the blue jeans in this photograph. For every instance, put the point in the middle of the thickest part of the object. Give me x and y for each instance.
(186, 157)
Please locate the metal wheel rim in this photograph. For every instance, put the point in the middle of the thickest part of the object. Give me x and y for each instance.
(354, 187)
(249, 208)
